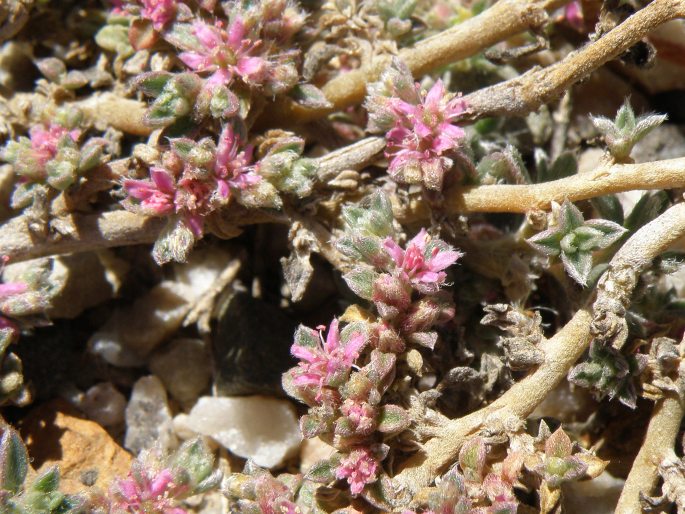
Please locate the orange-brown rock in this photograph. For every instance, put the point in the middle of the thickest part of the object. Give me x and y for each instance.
(86, 454)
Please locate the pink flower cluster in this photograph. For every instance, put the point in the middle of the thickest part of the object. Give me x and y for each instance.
(7, 291)
(359, 468)
(226, 53)
(145, 492)
(423, 135)
(329, 364)
(45, 140)
(191, 192)
(159, 12)
(423, 261)
(573, 13)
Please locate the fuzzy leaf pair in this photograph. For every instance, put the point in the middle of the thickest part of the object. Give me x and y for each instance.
(574, 240)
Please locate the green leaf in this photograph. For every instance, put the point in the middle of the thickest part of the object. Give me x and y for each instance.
(647, 208)
(152, 83)
(578, 266)
(310, 96)
(564, 166)
(625, 118)
(14, 461)
(306, 337)
(393, 419)
(360, 281)
(195, 458)
(547, 242)
(115, 39)
(323, 471)
(174, 242)
(645, 124)
(609, 207)
(570, 217)
(47, 481)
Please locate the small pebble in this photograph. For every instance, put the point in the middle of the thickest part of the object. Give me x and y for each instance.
(257, 427)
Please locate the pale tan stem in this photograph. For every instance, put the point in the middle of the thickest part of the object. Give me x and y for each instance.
(525, 94)
(607, 179)
(504, 19)
(659, 441)
(77, 233)
(561, 352)
(110, 110)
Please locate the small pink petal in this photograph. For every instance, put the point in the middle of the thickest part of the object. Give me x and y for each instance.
(236, 33)
(444, 259)
(395, 251)
(12, 288)
(220, 77)
(194, 61)
(162, 180)
(195, 222)
(208, 36)
(252, 68)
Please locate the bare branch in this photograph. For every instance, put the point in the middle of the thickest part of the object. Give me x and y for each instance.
(525, 94)
(607, 179)
(659, 441)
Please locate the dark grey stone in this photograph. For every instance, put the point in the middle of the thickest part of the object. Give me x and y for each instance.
(251, 347)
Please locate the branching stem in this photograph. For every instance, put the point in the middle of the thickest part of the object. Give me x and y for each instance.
(659, 441)
(501, 21)
(525, 94)
(562, 351)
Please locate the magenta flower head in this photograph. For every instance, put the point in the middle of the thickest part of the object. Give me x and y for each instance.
(231, 166)
(359, 468)
(573, 13)
(423, 261)
(419, 126)
(197, 179)
(226, 53)
(325, 363)
(7, 291)
(159, 12)
(145, 491)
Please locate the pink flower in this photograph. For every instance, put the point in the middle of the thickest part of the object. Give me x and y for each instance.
(573, 13)
(146, 492)
(232, 167)
(159, 12)
(423, 261)
(330, 363)
(361, 414)
(226, 53)
(157, 196)
(192, 192)
(44, 141)
(7, 291)
(273, 496)
(360, 467)
(422, 135)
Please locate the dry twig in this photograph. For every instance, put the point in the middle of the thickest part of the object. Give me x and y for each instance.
(525, 94)
(659, 441)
